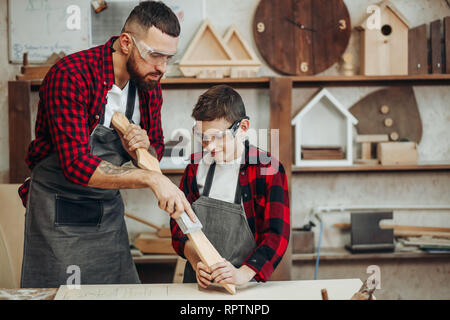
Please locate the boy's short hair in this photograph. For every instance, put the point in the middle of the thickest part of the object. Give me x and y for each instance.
(218, 102)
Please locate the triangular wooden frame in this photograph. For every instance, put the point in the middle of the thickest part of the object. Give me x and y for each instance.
(233, 31)
(185, 60)
(219, 68)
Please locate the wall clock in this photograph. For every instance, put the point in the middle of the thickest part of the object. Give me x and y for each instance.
(301, 37)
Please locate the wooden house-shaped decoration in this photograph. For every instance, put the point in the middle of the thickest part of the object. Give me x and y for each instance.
(384, 48)
(211, 56)
(323, 129)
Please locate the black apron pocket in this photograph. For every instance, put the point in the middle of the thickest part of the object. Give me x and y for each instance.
(70, 212)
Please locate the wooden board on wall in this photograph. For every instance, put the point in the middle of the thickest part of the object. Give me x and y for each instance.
(436, 49)
(280, 115)
(402, 110)
(290, 49)
(418, 50)
(19, 129)
(447, 43)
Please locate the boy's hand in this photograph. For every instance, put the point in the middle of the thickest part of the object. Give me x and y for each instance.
(225, 272)
(203, 275)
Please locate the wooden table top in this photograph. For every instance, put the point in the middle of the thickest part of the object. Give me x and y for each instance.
(28, 294)
(339, 289)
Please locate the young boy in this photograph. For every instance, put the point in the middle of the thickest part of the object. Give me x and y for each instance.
(238, 192)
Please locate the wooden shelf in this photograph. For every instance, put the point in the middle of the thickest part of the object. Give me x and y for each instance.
(375, 168)
(175, 83)
(333, 254)
(306, 81)
(360, 80)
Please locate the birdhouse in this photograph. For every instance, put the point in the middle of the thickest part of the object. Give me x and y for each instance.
(324, 133)
(211, 56)
(384, 41)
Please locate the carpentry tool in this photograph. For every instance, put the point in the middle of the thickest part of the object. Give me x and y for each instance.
(162, 232)
(366, 235)
(205, 250)
(365, 293)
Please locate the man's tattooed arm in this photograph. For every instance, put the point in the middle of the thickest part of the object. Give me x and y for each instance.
(109, 176)
(110, 169)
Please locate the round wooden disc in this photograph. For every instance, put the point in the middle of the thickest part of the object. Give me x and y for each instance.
(394, 136)
(384, 109)
(388, 122)
(291, 50)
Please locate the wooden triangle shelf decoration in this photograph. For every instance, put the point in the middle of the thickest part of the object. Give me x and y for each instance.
(211, 56)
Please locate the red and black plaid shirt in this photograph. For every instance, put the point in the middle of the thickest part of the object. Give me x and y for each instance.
(265, 197)
(72, 102)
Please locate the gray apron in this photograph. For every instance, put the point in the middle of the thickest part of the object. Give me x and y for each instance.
(224, 224)
(67, 224)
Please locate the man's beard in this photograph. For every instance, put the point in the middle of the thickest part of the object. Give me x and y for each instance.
(139, 81)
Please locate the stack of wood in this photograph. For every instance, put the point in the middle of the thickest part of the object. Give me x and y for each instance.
(322, 153)
(37, 72)
(428, 244)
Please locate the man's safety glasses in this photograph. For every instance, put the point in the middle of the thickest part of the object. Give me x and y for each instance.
(152, 56)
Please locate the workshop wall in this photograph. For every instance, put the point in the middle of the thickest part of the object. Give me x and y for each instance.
(309, 189)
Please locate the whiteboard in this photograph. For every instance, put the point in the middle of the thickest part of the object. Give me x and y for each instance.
(39, 27)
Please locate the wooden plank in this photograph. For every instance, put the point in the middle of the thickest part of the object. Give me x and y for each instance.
(12, 223)
(203, 247)
(346, 226)
(342, 255)
(280, 115)
(301, 81)
(418, 50)
(19, 129)
(340, 289)
(374, 168)
(33, 72)
(447, 43)
(436, 49)
(372, 138)
(178, 274)
(151, 243)
(395, 153)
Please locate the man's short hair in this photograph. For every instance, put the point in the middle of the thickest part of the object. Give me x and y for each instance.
(218, 102)
(154, 13)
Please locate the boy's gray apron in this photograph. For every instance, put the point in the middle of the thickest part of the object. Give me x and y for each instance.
(67, 224)
(224, 224)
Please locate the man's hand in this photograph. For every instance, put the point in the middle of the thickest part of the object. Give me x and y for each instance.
(224, 272)
(134, 138)
(170, 198)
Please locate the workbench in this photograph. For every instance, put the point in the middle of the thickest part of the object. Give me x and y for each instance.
(341, 289)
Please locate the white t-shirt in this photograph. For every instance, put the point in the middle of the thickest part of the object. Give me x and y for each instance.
(117, 102)
(223, 186)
